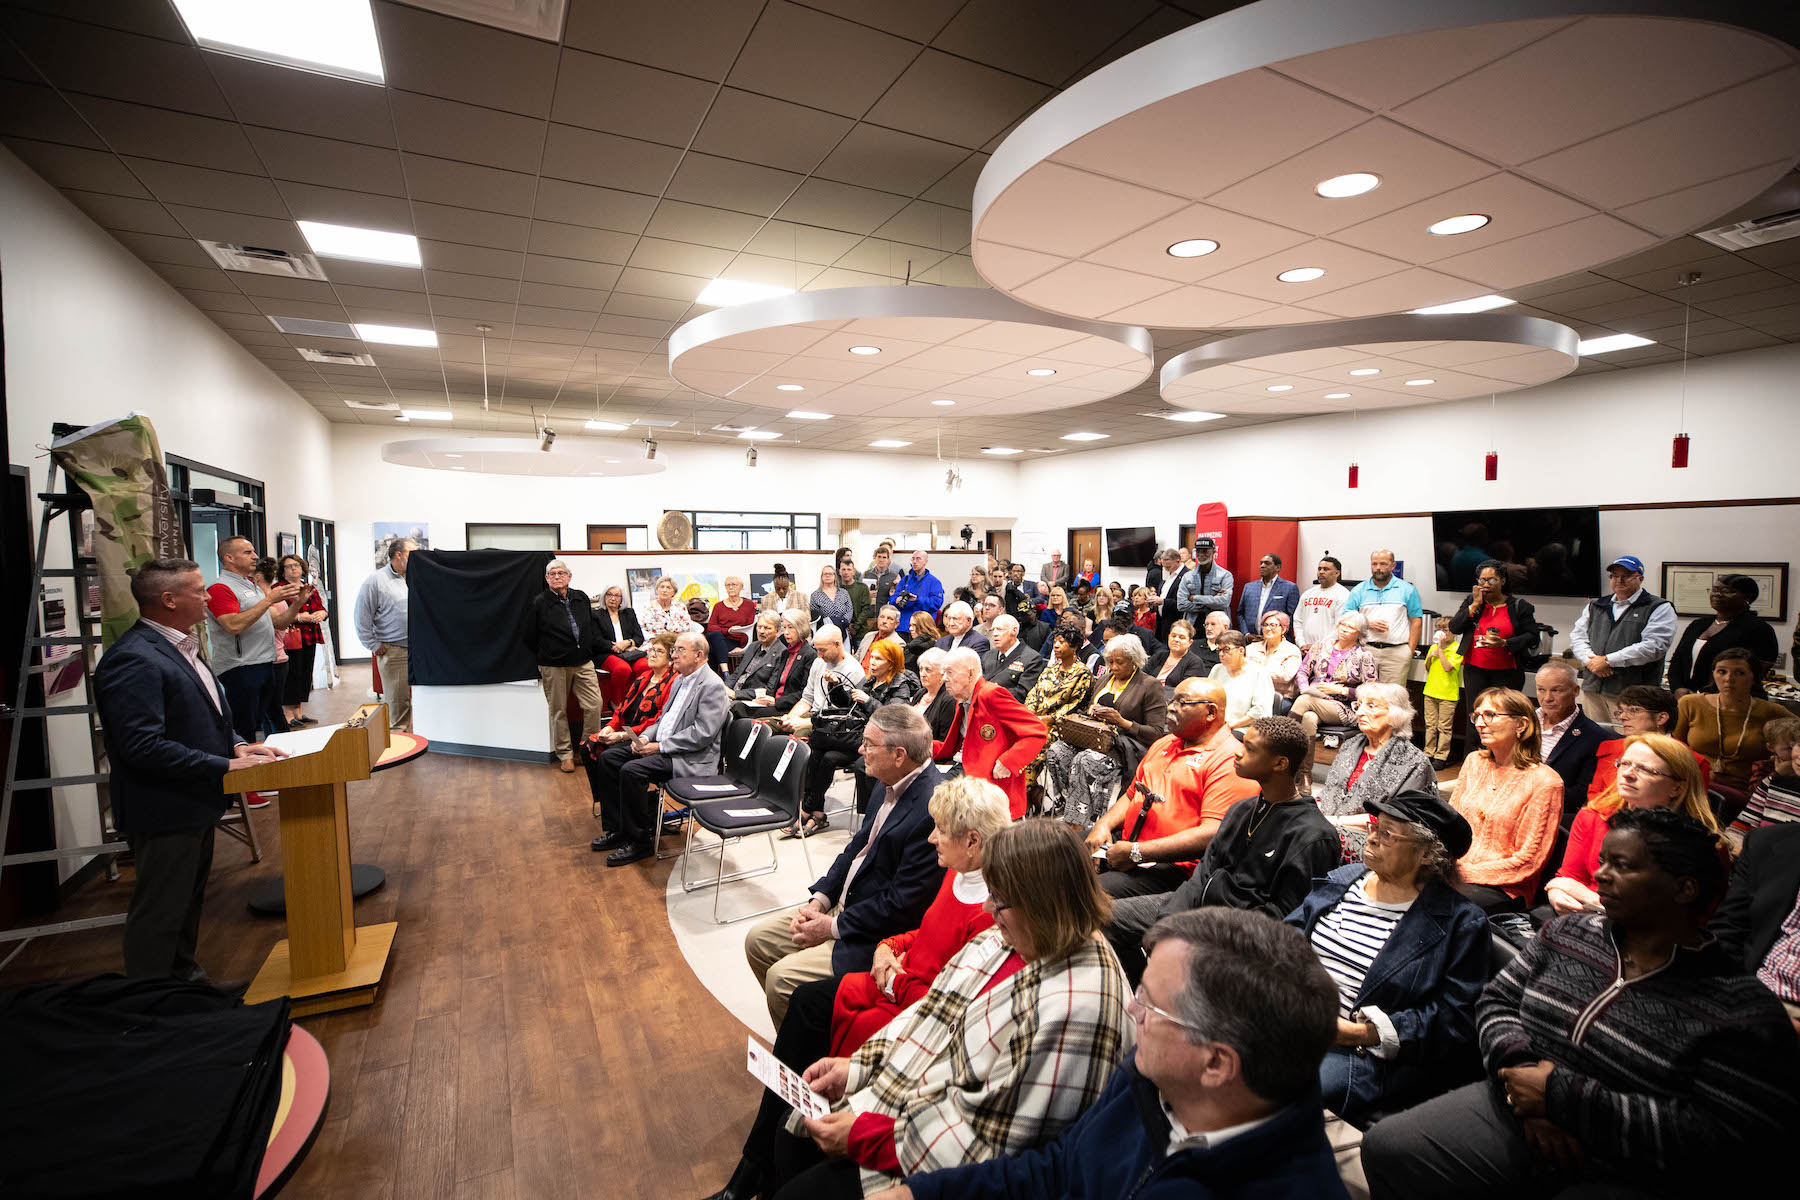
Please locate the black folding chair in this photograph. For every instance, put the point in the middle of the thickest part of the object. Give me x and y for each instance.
(736, 782)
(775, 805)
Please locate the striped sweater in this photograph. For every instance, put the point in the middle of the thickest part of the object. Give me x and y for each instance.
(1685, 1070)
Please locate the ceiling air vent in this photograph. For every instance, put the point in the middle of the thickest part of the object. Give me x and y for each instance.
(263, 260)
(309, 328)
(340, 358)
(1742, 235)
(656, 422)
(373, 406)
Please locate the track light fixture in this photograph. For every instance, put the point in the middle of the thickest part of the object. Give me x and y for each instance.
(649, 446)
(750, 457)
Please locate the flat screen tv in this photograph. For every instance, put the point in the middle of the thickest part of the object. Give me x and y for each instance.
(1548, 551)
(1131, 547)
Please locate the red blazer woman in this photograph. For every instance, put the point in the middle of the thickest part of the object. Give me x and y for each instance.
(1001, 730)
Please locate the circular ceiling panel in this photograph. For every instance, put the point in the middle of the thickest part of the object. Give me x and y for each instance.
(1372, 362)
(521, 456)
(901, 351)
(1295, 161)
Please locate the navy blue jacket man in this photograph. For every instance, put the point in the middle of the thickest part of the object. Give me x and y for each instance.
(895, 885)
(169, 741)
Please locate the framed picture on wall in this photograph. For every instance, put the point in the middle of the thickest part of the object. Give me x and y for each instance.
(287, 543)
(1688, 584)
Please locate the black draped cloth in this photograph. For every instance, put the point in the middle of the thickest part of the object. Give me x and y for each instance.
(464, 614)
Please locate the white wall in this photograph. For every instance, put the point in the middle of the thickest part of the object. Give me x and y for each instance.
(92, 333)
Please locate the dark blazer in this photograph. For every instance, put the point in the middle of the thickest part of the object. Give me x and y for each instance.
(1153, 577)
(974, 640)
(1576, 756)
(1746, 630)
(895, 885)
(940, 713)
(1522, 644)
(169, 747)
(1190, 667)
(1284, 597)
(1426, 979)
(1763, 889)
(1144, 704)
(1016, 671)
(1170, 612)
(787, 697)
(545, 630)
(606, 633)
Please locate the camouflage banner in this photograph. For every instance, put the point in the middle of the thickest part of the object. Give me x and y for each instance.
(119, 464)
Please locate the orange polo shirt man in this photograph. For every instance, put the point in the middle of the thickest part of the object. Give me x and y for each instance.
(1151, 839)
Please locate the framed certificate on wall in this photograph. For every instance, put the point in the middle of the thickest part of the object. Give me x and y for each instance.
(1688, 584)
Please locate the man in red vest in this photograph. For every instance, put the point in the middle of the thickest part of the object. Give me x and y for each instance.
(992, 736)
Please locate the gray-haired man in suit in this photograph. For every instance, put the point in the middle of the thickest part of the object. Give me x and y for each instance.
(684, 741)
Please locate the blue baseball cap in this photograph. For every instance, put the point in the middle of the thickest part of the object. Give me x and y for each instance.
(1630, 562)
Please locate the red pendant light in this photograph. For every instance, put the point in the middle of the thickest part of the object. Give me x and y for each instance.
(1493, 465)
(1352, 474)
(1678, 452)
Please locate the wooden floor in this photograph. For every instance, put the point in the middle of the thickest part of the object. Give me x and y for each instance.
(539, 1035)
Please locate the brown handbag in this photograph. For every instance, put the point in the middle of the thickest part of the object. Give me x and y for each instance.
(1087, 733)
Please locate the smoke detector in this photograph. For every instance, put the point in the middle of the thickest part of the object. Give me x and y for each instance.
(263, 260)
(339, 358)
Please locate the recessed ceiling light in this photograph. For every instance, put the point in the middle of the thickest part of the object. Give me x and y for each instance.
(1420, 382)
(1193, 248)
(1042, 371)
(888, 444)
(608, 426)
(1466, 223)
(944, 403)
(1611, 342)
(335, 35)
(1189, 416)
(425, 414)
(800, 414)
(452, 456)
(1281, 387)
(1366, 371)
(396, 335)
(758, 435)
(865, 349)
(790, 387)
(999, 450)
(363, 245)
(1354, 184)
(1337, 395)
(722, 293)
(1301, 274)
(612, 461)
(1478, 304)
(1084, 437)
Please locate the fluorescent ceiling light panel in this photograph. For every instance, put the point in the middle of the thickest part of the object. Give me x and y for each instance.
(425, 414)
(363, 245)
(800, 414)
(1084, 437)
(1478, 304)
(1000, 450)
(1189, 416)
(888, 444)
(1301, 275)
(1420, 382)
(1611, 342)
(334, 36)
(1193, 248)
(397, 335)
(723, 293)
(758, 435)
(1355, 184)
(606, 426)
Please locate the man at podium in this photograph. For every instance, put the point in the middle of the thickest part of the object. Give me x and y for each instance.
(169, 737)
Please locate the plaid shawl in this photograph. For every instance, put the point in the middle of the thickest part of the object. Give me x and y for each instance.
(970, 1076)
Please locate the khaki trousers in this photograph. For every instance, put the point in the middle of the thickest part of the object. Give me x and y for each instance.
(1392, 663)
(778, 965)
(1600, 707)
(557, 681)
(396, 688)
(1440, 721)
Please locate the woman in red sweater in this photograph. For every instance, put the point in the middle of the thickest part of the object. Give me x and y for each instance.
(1655, 771)
(967, 812)
(728, 618)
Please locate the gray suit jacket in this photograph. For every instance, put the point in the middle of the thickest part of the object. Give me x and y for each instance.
(758, 668)
(693, 724)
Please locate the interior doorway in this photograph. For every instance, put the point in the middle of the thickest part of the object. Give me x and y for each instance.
(1084, 546)
(318, 547)
(618, 537)
(999, 543)
(1187, 538)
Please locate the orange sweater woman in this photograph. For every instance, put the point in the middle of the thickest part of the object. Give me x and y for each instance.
(1511, 800)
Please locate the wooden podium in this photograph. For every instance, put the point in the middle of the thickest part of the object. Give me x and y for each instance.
(326, 962)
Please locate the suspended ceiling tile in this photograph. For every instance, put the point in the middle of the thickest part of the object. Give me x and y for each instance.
(173, 183)
(459, 60)
(680, 222)
(950, 99)
(443, 181)
(29, 110)
(341, 206)
(466, 132)
(624, 98)
(575, 241)
(1368, 75)
(239, 228)
(727, 183)
(146, 132)
(449, 223)
(345, 272)
(604, 208)
(693, 37)
(840, 206)
(570, 272)
(123, 66)
(1045, 41)
(818, 60)
(916, 20)
(303, 101)
(1524, 259)
(328, 162)
(775, 133)
(890, 161)
(588, 156)
(78, 169)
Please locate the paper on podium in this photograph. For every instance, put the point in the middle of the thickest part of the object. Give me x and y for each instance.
(780, 1079)
(298, 742)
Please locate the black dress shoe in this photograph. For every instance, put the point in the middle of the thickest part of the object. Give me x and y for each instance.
(745, 1184)
(606, 841)
(624, 856)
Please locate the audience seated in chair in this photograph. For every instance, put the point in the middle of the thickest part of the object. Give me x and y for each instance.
(1150, 841)
(1220, 1096)
(1641, 708)
(1569, 739)
(1177, 660)
(1009, 662)
(1328, 679)
(1409, 955)
(1511, 800)
(1062, 687)
(992, 736)
(924, 636)
(1281, 658)
(684, 741)
(1726, 726)
(1264, 856)
(1755, 923)
(959, 630)
(763, 658)
(1592, 1079)
(788, 677)
(1017, 1037)
(887, 628)
(727, 619)
(1249, 692)
(619, 647)
(830, 666)
(666, 613)
(1776, 798)
(1080, 783)
(837, 742)
(1379, 760)
(879, 886)
(935, 703)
